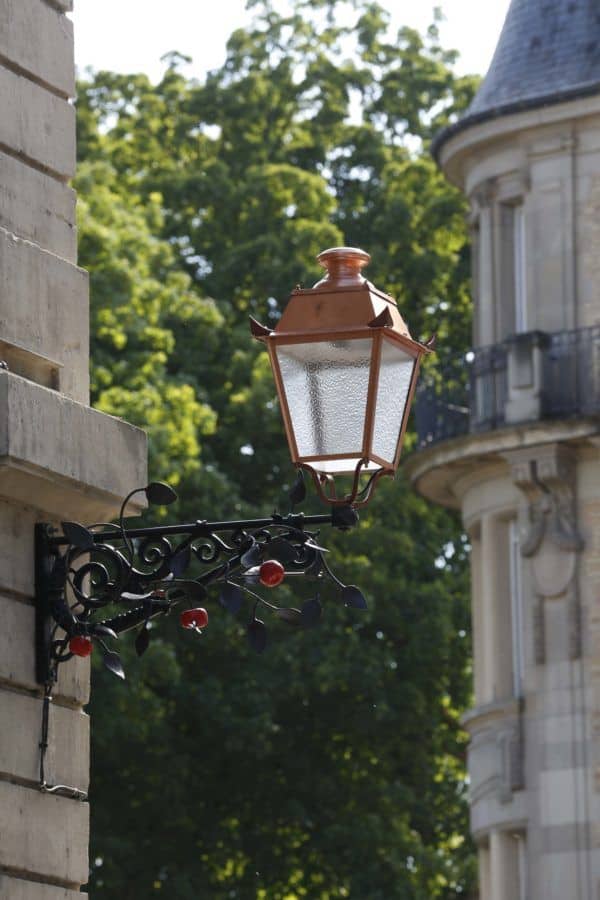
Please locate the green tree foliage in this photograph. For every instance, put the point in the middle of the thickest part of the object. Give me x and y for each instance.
(333, 765)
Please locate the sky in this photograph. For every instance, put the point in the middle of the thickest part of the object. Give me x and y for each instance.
(132, 35)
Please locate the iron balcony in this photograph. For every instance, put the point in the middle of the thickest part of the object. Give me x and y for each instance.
(525, 378)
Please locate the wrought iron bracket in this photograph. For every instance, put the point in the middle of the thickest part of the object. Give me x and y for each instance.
(95, 583)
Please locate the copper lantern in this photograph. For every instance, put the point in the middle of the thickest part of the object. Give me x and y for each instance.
(345, 367)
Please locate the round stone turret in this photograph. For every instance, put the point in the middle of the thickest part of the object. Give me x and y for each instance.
(548, 52)
(509, 434)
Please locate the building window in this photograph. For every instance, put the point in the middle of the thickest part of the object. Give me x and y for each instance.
(485, 278)
(484, 872)
(475, 277)
(516, 609)
(503, 866)
(521, 865)
(519, 269)
(482, 680)
(512, 313)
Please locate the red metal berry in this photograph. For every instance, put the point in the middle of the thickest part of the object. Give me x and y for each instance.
(194, 618)
(271, 573)
(81, 645)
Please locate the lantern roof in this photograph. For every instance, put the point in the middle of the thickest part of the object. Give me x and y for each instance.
(342, 298)
(342, 301)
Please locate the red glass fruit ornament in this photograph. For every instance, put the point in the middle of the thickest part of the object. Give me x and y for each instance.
(194, 618)
(271, 573)
(81, 645)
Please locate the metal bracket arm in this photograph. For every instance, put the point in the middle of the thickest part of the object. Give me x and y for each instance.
(93, 584)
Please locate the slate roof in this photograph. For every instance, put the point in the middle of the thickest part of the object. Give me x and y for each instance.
(548, 51)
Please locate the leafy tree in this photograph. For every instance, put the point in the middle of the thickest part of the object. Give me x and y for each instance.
(332, 766)
(143, 294)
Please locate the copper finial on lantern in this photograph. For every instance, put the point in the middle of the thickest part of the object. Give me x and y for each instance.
(345, 368)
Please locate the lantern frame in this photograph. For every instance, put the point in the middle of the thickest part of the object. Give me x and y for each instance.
(330, 313)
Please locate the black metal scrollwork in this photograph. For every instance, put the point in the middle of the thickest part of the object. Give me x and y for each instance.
(95, 583)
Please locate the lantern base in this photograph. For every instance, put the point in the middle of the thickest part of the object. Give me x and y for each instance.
(358, 496)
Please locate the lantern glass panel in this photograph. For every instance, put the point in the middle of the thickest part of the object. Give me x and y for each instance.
(326, 385)
(395, 376)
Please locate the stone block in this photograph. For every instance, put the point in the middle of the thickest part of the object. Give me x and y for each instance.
(44, 312)
(17, 658)
(38, 39)
(37, 207)
(556, 729)
(43, 835)
(495, 752)
(562, 796)
(67, 758)
(67, 460)
(18, 889)
(557, 675)
(16, 549)
(485, 766)
(557, 701)
(36, 124)
(557, 874)
(525, 377)
(490, 812)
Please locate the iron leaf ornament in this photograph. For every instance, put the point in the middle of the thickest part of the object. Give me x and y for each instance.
(94, 583)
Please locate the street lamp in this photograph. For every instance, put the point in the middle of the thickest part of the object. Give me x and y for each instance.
(345, 368)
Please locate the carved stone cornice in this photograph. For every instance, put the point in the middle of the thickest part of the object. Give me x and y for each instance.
(547, 479)
(496, 749)
(484, 195)
(493, 714)
(435, 470)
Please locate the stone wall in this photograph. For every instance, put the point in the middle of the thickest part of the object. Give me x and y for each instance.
(58, 458)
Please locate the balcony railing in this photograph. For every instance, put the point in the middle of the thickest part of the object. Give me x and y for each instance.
(526, 378)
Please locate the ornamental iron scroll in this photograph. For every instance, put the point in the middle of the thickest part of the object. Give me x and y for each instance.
(95, 583)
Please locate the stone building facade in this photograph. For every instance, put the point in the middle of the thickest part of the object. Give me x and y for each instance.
(511, 438)
(59, 459)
